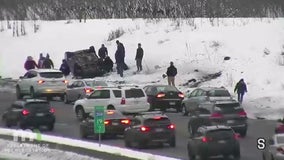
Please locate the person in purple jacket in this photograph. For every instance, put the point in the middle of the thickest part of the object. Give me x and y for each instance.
(30, 63)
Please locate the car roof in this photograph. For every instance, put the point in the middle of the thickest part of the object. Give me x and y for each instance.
(45, 70)
(212, 88)
(25, 101)
(279, 135)
(212, 128)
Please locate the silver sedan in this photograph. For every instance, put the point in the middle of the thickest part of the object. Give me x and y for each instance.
(274, 150)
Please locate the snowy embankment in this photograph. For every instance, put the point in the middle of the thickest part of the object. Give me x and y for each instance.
(253, 45)
(35, 151)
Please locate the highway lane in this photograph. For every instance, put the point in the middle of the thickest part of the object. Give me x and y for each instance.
(68, 126)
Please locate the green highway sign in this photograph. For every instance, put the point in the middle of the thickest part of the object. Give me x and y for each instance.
(99, 119)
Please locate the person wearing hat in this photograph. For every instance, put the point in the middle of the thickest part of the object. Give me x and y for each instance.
(241, 89)
(171, 73)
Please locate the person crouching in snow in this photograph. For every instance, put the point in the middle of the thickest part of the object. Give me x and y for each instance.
(30, 63)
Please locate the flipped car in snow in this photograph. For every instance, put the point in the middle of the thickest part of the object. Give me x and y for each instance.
(84, 64)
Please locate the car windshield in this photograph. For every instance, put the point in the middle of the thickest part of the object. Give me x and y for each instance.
(96, 83)
(37, 106)
(220, 134)
(280, 139)
(219, 93)
(229, 108)
(51, 74)
(166, 88)
(134, 93)
(157, 121)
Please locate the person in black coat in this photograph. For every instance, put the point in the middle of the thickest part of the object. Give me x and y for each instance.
(171, 73)
(64, 68)
(241, 89)
(139, 57)
(47, 63)
(119, 58)
(108, 63)
(103, 52)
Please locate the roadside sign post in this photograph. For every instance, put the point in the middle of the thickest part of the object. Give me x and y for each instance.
(99, 119)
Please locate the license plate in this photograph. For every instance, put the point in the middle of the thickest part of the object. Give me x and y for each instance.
(159, 129)
(222, 141)
(114, 123)
(172, 103)
(230, 121)
(39, 114)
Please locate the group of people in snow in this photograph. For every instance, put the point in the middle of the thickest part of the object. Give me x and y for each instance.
(43, 62)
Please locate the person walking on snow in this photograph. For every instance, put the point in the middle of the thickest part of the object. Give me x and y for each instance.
(40, 60)
(139, 57)
(103, 52)
(30, 63)
(64, 68)
(171, 73)
(47, 63)
(241, 89)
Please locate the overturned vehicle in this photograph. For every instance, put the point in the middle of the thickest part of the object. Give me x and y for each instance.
(84, 64)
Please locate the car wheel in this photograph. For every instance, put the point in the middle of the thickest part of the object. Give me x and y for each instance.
(18, 93)
(243, 133)
(50, 127)
(183, 110)
(172, 142)
(80, 113)
(65, 99)
(32, 92)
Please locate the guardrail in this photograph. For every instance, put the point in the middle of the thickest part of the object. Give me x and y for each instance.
(89, 148)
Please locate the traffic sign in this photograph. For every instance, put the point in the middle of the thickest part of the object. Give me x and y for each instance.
(99, 119)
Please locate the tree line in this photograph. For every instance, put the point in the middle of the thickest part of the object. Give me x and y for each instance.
(100, 9)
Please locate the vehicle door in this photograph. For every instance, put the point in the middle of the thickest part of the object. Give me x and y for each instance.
(79, 90)
(72, 95)
(201, 97)
(117, 96)
(191, 102)
(97, 98)
(26, 81)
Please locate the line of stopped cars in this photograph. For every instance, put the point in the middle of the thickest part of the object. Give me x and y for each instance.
(215, 119)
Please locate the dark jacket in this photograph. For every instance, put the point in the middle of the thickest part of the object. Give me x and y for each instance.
(30, 64)
(108, 63)
(139, 53)
(120, 54)
(241, 87)
(103, 52)
(171, 71)
(64, 68)
(47, 63)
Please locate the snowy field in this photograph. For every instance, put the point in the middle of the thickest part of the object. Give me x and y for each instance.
(254, 46)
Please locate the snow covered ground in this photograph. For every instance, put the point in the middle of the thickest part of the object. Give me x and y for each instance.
(253, 44)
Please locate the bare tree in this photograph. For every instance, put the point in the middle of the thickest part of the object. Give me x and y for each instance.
(2, 27)
(23, 29)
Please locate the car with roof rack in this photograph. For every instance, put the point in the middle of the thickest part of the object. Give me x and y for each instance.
(203, 94)
(148, 128)
(79, 88)
(41, 83)
(126, 99)
(211, 141)
(30, 113)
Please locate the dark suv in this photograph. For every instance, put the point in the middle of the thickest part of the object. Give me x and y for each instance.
(228, 113)
(213, 141)
(29, 113)
(150, 128)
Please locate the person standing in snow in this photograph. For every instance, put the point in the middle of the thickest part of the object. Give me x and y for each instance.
(241, 89)
(119, 58)
(47, 63)
(40, 60)
(171, 73)
(64, 68)
(139, 57)
(30, 63)
(103, 52)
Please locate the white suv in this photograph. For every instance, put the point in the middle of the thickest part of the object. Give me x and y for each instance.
(126, 99)
(41, 82)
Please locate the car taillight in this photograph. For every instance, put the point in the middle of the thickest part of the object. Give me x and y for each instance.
(181, 95)
(160, 95)
(40, 81)
(280, 149)
(125, 121)
(242, 114)
(25, 112)
(172, 126)
(144, 129)
(216, 116)
(122, 100)
(157, 118)
(107, 122)
(237, 136)
(65, 81)
(206, 139)
(52, 110)
(88, 90)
